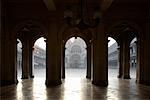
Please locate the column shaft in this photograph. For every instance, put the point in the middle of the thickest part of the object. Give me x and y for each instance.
(120, 58)
(53, 74)
(25, 60)
(100, 68)
(63, 61)
(31, 62)
(126, 60)
(88, 62)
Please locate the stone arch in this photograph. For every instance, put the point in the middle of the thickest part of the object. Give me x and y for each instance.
(66, 32)
(36, 28)
(135, 30)
(132, 25)
(28, 31)
(30, 26)
(110, 35)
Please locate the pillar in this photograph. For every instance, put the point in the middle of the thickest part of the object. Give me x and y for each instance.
(63, 61)
(126, 59)
(8, 54)
(25, 59)
(16, 60)
(8, 67)
(137, 60)
(120, 58)
(88, 74)
(144, 58)
(31, 60)
(100, 68)
(0, 31)
(46, 61)
(53, 74)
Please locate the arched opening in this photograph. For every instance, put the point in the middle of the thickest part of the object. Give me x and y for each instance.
(75, 57)
(19, 59)
(113, 61)
(133, 58)
(39, 58)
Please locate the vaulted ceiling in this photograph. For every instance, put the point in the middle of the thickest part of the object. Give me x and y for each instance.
(54, 4)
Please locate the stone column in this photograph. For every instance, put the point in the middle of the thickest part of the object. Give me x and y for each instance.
(53, 76)
(88, 74)
(120, 58)
(137, 59)
(16, 61)
(31, 66)
(63, 61)
(25, 59)
(46, 61)
(0, 30)
(100, 68)
(7, 50)
(126, 59)
(144, 59)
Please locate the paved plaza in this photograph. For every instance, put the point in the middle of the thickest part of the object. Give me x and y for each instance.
(81, 73)
(75, 87)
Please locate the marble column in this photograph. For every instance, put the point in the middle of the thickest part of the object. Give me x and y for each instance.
(137, 60)
(100, 68)
(144, 58)
(63, 62)
(126, 59)
(31, 60)
(16, 61)
(120, 58)
(88, 74)
(46, 61)
(25, 59)
(53, 73)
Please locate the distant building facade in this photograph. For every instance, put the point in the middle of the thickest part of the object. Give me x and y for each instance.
(113, 55)
(39, 57)
(19, 56)
(75, 54)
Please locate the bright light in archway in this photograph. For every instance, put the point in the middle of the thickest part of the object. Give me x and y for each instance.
(41, 43)
(112, 41)
(72, 39)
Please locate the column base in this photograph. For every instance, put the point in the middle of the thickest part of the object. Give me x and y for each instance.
(25, 77)
(53, 83)
(103, 83)
(88, 77)
(144, 82)
(17, 81)
(119, 76)
(32, 76)
(6, 82)
(126, 77)
(63, 77)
